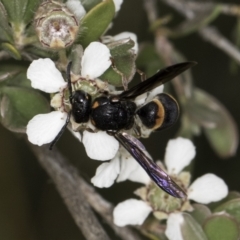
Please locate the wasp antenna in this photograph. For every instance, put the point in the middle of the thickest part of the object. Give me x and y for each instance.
(69, 80)
(61, 131)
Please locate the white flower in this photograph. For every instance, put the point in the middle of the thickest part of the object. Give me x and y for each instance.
(126, 35)
(77, 8)
(173, 230)
(122, 167)
(43, 128)
(117, 4)
(135, 215)
(206, 189)
(79, 11)
(45, 76)
(179, 153)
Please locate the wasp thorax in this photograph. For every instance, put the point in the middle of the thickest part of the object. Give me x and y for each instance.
(56, 25)
(108, 115)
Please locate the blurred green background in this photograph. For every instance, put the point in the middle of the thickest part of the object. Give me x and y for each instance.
(31, 208)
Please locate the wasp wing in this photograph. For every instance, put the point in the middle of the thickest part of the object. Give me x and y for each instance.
(163, 180)
(156, 80)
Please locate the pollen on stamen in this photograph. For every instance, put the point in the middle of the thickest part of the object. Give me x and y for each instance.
(56, 101)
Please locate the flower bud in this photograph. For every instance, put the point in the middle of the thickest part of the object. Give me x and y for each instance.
(56, 25)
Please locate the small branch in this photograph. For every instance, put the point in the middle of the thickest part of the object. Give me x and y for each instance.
(209, 34)
(61, 173)
(231, 9)
(151, 12)
(181, 7)
(228, 9)
(78, 195)
(212, 35)
(105, 209)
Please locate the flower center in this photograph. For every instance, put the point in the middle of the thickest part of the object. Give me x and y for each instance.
(161, 201)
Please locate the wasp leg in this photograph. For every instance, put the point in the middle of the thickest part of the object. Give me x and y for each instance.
(142, 75)
(91, 130)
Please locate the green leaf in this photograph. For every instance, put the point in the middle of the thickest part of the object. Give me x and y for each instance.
(6, 31)
(218, 125)
(191, 230)
(125, 68)
(19, 105)
(231, 195)
(202, 19)
(221, 227)
(21, 11)
(40, 52)
(234, 65)
(148, 60)
(124, 63)
(112, 77)
(95, 22)
(121, 47)
(11, 50)
(13, 74)
(232, 207)
(89, 4)
(19, 80)
(76, 58)
(200, 213)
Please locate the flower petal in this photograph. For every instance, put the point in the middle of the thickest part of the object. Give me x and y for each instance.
(179, 153)
(139, 175)
(45, 76)
(77, 135)
(43, 128)
(77, 8)
(173, 230)
(95, 60)
(141, 99)
(117, 4)
(131, 35)
(154, 92)
(131, 170)
(208, 188)
(131, 211)
(100, 145)
(106, 174)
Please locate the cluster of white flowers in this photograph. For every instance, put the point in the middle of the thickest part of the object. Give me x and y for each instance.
(208, 188)
(44, 128)
(44, 76)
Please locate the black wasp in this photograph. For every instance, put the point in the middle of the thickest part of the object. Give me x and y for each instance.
(116, 113)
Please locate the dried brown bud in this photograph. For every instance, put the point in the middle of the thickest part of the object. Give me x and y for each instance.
(56, 25)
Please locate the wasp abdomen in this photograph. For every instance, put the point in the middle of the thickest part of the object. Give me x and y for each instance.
(107, 115)
(162, 112)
